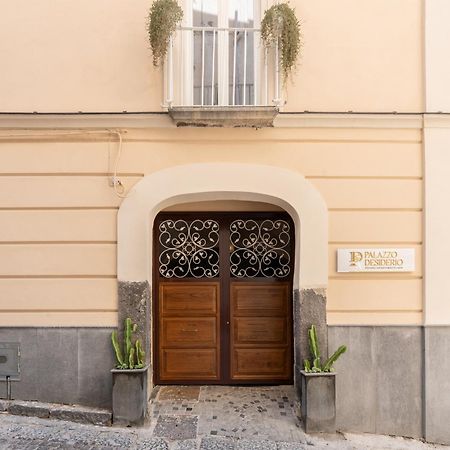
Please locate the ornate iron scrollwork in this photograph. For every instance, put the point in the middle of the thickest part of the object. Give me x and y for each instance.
(189, 249)
(260, 249)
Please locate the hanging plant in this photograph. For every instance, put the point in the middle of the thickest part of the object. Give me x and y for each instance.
(281, 24)
(163, 19)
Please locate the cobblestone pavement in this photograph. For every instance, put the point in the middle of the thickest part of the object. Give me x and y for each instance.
(197, 418)
(233, 412)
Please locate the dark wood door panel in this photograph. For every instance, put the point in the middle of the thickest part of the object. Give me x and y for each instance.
(189, 364)
(188, 299)
(260, 364)
(180, 332)
(188, 331)
(259, 298)
(260, 330)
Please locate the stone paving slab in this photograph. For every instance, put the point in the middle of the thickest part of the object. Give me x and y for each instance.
(179, 393)
(176, 427)
(73, 413)
(81, 415)
(29, 409)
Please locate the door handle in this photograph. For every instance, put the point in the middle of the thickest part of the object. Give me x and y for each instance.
(189, 331)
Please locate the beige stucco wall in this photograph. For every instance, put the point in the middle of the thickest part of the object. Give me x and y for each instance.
(58, 213)
(358, 55)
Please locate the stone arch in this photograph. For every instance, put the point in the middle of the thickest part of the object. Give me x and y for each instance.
(225, 181)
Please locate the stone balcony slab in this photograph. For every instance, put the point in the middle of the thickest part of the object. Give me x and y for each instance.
(223, 116)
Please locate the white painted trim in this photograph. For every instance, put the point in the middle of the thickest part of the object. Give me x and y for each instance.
(155, 120)
(222, 54)
(437, 48)
(436, 221)
(437, 121)
(223, 181)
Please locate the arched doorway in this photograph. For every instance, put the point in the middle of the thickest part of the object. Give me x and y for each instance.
(233, 182)
(223, 296)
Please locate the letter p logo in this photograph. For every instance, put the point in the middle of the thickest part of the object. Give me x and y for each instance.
(355, 257)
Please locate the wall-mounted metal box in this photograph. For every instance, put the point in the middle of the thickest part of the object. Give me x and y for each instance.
(9, 361)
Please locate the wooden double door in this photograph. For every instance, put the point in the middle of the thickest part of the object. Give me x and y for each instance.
(223, 309)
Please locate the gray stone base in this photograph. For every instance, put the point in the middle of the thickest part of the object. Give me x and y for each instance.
(309, 309)
(379, 381)
(134, 302)
(392, 380)
(437, 384)
(62, 365)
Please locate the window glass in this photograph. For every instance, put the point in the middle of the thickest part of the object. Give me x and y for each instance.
(205, 15)
(241, 14)
(240, 39)
(241, 52)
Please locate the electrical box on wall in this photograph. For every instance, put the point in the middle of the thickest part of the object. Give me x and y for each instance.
(9, 361)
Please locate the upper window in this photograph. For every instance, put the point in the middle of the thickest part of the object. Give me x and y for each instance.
(224, 52)
(217, 59)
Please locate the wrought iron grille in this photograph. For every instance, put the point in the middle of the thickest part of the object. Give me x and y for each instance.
(189, 248)
(260, 249)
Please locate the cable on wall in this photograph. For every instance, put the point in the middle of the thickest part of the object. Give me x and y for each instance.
(115, 183)
(119, 188)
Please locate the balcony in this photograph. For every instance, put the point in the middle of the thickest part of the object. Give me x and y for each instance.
(221, 77)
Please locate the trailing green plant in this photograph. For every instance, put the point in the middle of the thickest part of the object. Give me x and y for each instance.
(280, 24)
(317, 366)
(163, 19)
(133, 356)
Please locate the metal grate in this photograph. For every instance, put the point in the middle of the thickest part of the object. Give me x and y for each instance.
(260, 249)
(189, 248)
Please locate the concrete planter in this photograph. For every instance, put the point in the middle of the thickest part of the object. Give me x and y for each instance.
(129, 396)
(318, 402)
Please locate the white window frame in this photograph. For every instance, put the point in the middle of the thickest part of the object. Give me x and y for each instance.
(187, 66)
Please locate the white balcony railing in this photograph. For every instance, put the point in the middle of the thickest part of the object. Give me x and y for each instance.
(213, 66)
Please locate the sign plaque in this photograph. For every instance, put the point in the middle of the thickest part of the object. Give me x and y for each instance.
(376, 260)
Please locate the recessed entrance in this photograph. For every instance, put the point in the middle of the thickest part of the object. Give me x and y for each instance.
(223, 298)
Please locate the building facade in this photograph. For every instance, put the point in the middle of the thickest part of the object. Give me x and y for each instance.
(356, 158)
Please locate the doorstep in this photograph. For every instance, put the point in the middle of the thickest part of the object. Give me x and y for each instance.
(73, 413)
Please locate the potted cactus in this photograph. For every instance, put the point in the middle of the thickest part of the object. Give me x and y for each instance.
(318, 388)
(129, 378)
